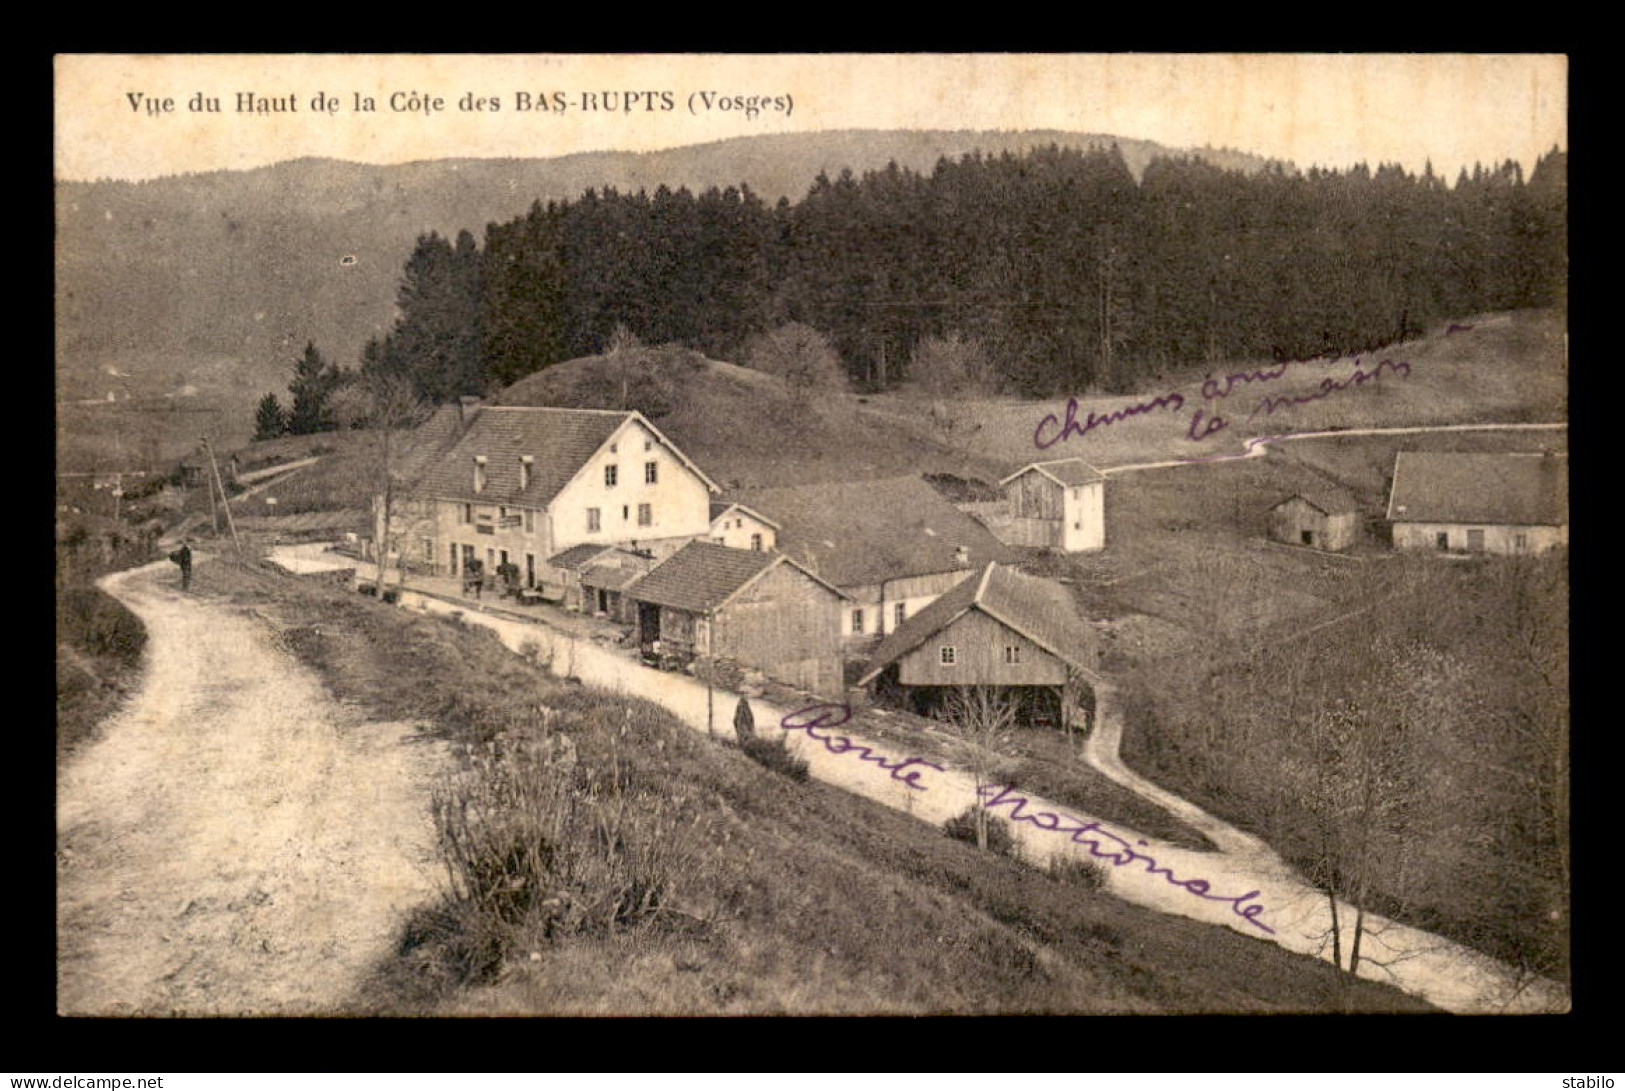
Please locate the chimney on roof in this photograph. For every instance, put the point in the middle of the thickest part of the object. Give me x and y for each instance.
(961, 557)
(467, 407)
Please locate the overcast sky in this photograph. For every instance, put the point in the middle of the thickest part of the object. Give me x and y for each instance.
(1325, 109)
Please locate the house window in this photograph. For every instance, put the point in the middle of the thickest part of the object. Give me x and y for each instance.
(1012, 653)
(1443, 540)
(428, 550)
(756, 542)
(857, 620)
(646, 515)
(610, 473)
(651, 473)
(648, 445)
(626, 512)
(720, 541)
(453, 568)
(1308, 537)
(946, 655)
(1520, 542)
(468, 513)
(613, 447)
(594, 520)
(899, 612)
(530, 522)
(479, 473)
(530, 570)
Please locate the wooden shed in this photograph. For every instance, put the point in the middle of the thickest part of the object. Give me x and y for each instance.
(756, 608)
(1060, 504)
(998, 628)
(1321, 517)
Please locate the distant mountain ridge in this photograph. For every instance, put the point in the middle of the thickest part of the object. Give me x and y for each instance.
(216, 280)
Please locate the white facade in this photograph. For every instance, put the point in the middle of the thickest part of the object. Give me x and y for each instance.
(675, 504)
(1479, 538)
(1083, 525)
(738, 528)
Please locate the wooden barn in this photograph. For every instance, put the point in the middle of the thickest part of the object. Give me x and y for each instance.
(1060, 504)
(759, 609)
(1321, 516)
(999, 628)
(595, 577)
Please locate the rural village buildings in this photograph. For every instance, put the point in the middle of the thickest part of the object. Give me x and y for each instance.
(892, 546)
(1320, 516)
(1059, 504)
(1479, 503)
(997, 627)
(761, 610)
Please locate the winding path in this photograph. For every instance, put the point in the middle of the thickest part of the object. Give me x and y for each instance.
(236, 842)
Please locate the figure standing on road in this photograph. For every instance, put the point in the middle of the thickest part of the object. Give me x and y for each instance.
(183, 557)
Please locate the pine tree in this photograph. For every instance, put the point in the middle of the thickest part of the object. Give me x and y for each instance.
(314, 381)
(269, 420)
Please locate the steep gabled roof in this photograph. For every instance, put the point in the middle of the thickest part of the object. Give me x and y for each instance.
(559, 442)
(704, 576)
(857, 533)
(427, 442)
(1325, 498)
(1062, 471)
(719, 508)
(1037, 609)
(1519, 489)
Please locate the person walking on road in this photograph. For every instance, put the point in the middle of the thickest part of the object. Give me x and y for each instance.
(183, 557)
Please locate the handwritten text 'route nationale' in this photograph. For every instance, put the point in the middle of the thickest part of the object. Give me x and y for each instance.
(810, 719)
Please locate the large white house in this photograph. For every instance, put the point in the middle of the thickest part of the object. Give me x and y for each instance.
(519, 485)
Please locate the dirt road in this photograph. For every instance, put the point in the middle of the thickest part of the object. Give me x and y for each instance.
(237, 842)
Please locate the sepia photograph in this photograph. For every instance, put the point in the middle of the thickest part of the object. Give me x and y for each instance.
(811, 534)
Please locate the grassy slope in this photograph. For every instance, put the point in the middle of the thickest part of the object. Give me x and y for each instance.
(743, 427)
(813, 901)
(99, 645)
(1507, 368)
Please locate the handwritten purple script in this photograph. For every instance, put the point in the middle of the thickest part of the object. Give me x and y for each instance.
(841, 744)
(1206, 421)
(1000, 795)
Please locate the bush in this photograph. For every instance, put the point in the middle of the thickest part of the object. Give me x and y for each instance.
(95, 623)
(1077, 871)
(774, 754)
(963, 828)
(539, 845)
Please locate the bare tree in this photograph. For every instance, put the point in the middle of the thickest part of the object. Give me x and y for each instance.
(948, 370)
(623, 343)
(980, 718)
(392, 407)
(799, 355)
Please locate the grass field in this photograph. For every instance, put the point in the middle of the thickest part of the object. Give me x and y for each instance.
(807, 900)
(1506, 368)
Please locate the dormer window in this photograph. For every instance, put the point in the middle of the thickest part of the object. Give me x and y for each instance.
(525, 462)
(479, 473)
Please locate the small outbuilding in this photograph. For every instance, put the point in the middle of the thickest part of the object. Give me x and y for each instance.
(1321, 516)
(759, 609)
(1060, 504)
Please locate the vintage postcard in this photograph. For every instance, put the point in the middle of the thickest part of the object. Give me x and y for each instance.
(806, 534)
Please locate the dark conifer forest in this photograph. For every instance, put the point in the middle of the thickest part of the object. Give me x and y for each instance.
(1069, 273)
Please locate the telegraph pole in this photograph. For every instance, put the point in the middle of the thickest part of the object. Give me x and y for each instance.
(225, 502)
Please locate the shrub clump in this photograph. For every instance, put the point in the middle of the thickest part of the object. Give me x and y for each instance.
(1077, 872)
(774, 754)
(962, 827)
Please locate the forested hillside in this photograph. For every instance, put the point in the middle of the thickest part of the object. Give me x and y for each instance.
(1062, 269)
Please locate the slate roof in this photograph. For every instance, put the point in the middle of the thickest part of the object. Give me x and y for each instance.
(559, 441)
(721, 507)
(1518, 489)
(1040, 610)
(857, 533)
(578, 556)
(1062, 471)
(703, 576)
(610, 577)
(1327, 499)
